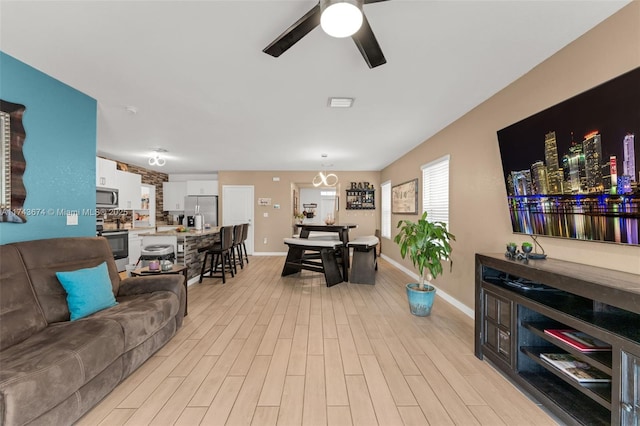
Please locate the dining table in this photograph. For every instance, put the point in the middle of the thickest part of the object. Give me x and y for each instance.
(342, 229)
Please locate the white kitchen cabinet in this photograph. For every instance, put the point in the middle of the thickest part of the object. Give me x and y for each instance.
(202, 187)
(106, 173)
(135, 244)
(135, 248)
(173, 195)
(128, 185)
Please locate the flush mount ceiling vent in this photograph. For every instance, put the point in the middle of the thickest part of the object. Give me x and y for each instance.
(341, 102)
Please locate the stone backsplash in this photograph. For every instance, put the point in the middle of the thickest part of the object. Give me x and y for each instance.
(149, 177)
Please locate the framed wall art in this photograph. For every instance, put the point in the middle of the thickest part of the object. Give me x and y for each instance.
(12, 136)
(404, 198)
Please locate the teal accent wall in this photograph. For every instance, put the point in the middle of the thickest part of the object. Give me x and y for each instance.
(59, 149)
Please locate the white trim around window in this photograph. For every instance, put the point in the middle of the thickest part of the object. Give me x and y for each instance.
(435, 190)
(385, 209)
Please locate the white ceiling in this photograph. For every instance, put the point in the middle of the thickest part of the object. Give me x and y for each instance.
(206, 92)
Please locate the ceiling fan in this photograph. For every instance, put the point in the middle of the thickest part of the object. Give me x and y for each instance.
(319, 15)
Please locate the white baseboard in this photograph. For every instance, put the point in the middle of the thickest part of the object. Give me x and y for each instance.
(269, 253)
(447, 297)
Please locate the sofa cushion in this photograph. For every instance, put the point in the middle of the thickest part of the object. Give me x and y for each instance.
(88, 290)
(20, 315)
(88, 396)
(142, 315)
(44, 370)
(43, 258)
(157, 282)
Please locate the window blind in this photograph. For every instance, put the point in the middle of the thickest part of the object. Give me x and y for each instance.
(435, 190)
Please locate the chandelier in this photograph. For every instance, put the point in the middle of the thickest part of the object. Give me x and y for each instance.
(323, 179)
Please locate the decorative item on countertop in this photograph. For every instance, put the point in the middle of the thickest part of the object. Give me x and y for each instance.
(512, 250)
(154, 265)
(537, 255)
(166, 265)
(329, 220)
(526, 254)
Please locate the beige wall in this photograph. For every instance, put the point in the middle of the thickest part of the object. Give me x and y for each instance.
(279, 224)
(479, 216)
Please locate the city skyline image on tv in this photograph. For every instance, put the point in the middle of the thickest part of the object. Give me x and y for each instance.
(573, 170)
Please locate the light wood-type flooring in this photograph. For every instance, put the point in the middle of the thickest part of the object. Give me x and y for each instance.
(267, 350)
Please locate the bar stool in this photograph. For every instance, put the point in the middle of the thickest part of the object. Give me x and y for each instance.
(236, 247)
(220, 255)
(245, 232)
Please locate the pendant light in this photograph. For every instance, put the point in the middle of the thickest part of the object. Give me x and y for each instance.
(323, 179)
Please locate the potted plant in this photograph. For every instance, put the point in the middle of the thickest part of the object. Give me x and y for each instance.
(428, 245)
(526, 248)
(299, 217)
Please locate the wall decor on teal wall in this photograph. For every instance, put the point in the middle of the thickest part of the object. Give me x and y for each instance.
(59, 151)
(12, 190)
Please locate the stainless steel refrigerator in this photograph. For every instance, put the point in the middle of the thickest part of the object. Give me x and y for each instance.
(207, 205)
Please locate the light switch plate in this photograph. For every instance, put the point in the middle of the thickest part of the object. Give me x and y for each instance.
(72, 218)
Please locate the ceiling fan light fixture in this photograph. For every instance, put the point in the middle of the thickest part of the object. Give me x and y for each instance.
(341, 18)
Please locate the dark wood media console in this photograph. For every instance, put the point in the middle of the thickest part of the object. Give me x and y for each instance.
(516, 301)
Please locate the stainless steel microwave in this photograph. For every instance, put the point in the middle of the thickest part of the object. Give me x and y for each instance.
(106, 198)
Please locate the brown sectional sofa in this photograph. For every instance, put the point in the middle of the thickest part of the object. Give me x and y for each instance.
(53, 370)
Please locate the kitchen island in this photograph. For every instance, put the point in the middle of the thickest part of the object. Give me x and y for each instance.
(189, 244)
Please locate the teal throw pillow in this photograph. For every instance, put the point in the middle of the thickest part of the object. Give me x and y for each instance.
(88, 290)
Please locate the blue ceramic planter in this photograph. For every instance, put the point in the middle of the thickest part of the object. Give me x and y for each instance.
(420, 302)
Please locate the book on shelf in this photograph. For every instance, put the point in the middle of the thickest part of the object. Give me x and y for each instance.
(574, 368)
(579, 340)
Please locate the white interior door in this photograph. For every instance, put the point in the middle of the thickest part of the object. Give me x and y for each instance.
(237, 207)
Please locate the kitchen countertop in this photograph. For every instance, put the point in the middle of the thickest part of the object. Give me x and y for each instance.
(189, 233)
(112, 227)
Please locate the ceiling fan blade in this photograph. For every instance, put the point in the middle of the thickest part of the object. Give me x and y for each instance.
(373, 1)
(368, 45)
(294, 33)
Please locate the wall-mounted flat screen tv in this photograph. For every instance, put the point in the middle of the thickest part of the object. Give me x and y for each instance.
(573, 170)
